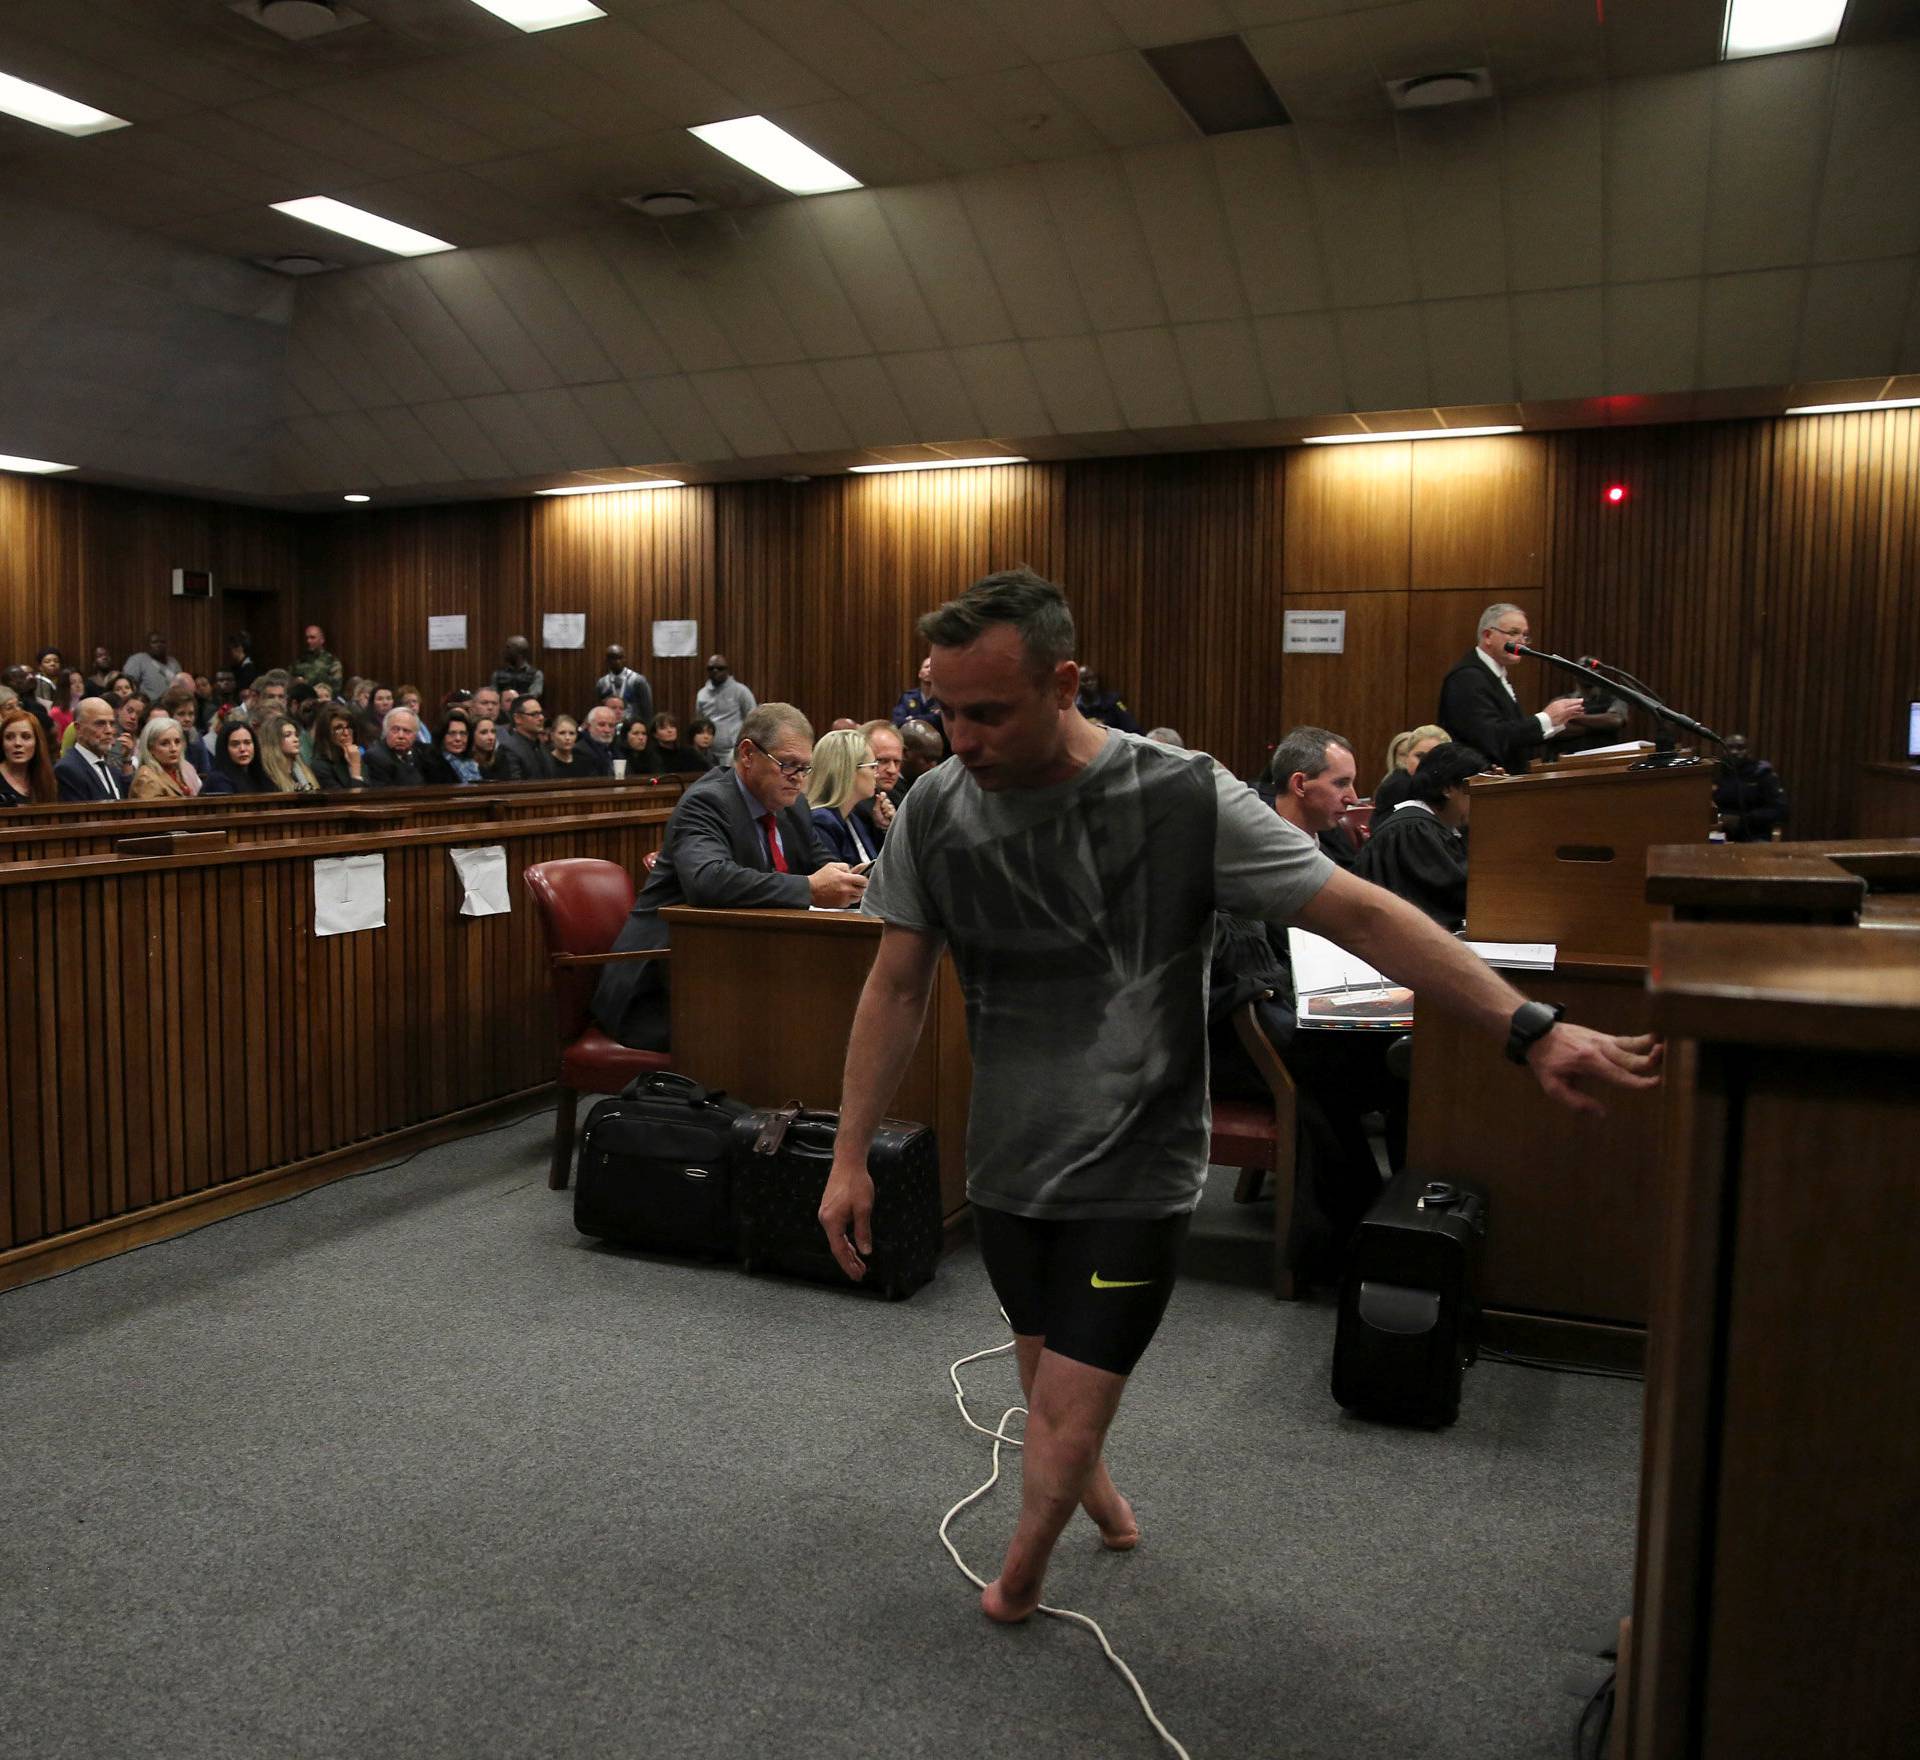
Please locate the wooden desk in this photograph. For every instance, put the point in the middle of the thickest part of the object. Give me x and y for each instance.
(1886, 801)
(763, 1005)
(1776, 1607)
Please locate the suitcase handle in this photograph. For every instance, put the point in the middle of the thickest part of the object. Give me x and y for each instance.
(793, 1125)
(679, 1087)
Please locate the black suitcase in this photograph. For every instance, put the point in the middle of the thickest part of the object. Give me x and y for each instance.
(1410, 1302)
(782, 1157)
(656, 1168)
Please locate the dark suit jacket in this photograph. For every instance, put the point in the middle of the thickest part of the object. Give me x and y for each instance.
(594, 755)
(385, 768)
(835, 836)
(1476, 710)
(520, 760)
(714, 856)
(80, 781)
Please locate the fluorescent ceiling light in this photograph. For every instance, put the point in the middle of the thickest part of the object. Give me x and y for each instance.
(356, 497)
(1772, 27)
(614, 488)
(1407, 434)
(38, 466)
(341, 217)
(932, 464)
(540, 15)
(767, 148)
(1847, 409)
(31, 103)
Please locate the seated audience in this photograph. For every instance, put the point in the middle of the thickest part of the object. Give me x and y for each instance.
(485, 705)
(160, 767)
(563, 749)
(270, 692)
(642, 752)
(20, 680)
(738, 837)
(409, 696)
(923, 747)
(181, 704)
(1749, 800)
(876, 815)
(597, 733)
(89, 770)
(671, 757)
(103, 672)
(281, 757)
(1309, 783)
(120, 688)
(391, 762)
(700, 738)
(843, 779)
(380, 702)
(450, 760)
(486, 749)
(237, 768)
(128, 718)
(1103, 706)
(1418, 852)
(517, 672)
(523, 752)
(26, 768)
(1404, 752)
(337, 761)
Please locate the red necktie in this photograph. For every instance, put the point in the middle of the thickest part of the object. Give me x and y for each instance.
(773, 846)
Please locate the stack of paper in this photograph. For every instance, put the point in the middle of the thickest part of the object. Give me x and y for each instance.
(1333, 988)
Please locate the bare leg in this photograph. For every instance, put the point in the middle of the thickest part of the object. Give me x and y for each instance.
(1069, 1408)
(1111, 1513)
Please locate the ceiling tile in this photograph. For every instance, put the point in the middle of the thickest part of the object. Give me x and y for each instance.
(1531, 47)
(631, 67)
(1870, 193)
(1658, 132)
(846, 131)
(1770, 130)
(853, 231)
(836, 41)
(463, 440)
(1555, 152)
(429, 326)
(649, 269)
(670, 404)
(795, 267)
(463, 88)
(413, 448)
(459, 284)
(1750, 328)
(1469, 350)
(517, 275)
(1121, 100)
(1558, 343)
(573, 442)
(1025, 250)
(1385, 349)
(934, 396)
(866, 401)
(1321, 71)
(1027, 113)
(402, 371)
(1149, 23)
(1001, 387)
(930, 225)
(947, 130)
(719, 266)
(1853, 318)
(1058, 31)
(1184, 223)
(1276, 237)
(1073, 384)
(1221, 365)
(1301, 355)
(381, 106)
(505, 423)
(1353, 172)
(382, 464)
(1653, 336)
(616, 412)
(950, 41)
(1094, 214)
(615, 319)
(803, 409)
(1451, 163)
(716, 39)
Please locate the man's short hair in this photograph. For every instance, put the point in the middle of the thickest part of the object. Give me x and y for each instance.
(520, 704)
(770, 720)
(278, 675)
(1443, 768)
(1492, 615)
(386, 720)
(1035, 607)
(1166, 736)
(1302, 753)
(882, 725)
(922, 739)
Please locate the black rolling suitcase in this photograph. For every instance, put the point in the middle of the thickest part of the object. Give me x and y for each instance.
(656, 1168)
(1410, 1302)
(781, 1161)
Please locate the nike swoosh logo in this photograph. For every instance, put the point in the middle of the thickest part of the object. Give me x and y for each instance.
(1100, 1282)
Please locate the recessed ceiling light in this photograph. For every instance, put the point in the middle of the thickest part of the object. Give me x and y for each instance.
(1847, 409)
(1407, 434)
(767, 148)
(38, 466)
(1772, 27)
(932, 464)
(540, 15)
(356, 497)
(352, 222)
(32, 103)
(612, 488)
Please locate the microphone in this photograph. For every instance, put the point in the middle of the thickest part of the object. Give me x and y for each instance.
(1522, 648)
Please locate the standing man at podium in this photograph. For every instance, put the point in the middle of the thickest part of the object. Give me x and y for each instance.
(1479, 706)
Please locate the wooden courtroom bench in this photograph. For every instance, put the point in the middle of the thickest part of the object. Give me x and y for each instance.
(231, 1055)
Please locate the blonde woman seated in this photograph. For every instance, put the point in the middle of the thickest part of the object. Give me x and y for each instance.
(843, 776)
(160, 767)
(280, 756)
(1404, 752)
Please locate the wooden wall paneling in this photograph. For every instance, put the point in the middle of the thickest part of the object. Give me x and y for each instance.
(1349, 512)
(1478, 515)
(1441, 628)
(1105, 572)
(26, 1218)
(1357, 694)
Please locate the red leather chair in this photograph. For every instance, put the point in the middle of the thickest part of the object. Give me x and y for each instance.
(582, 903)
(1260, 1137)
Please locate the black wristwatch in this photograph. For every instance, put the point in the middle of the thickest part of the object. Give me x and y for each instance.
(1532, 1022)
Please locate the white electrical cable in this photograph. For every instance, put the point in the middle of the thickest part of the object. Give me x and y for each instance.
(999, 1437)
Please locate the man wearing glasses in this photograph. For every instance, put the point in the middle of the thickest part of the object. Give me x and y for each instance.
(740, 838)
(1479, 706)
(522, 752)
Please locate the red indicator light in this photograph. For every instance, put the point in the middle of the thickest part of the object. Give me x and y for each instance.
(1616, 493)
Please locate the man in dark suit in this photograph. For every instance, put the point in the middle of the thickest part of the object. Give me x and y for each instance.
(1478, 704)
(394, 763)
(597, 732)
(522, 757)
(87, 772)
(739, 838)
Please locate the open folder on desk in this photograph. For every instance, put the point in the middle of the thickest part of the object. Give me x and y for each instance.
(1333, 988)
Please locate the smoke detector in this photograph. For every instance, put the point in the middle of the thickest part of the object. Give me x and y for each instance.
(296, 265)
(1431, 91)
(666, 204)
(298, 21)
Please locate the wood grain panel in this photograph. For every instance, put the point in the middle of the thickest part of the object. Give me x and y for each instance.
(1479, 514)
(1349, 517)
(1441, 627)
(1357, 694)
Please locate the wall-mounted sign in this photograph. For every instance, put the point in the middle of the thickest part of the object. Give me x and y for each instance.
(1313, 632)
(446, 634)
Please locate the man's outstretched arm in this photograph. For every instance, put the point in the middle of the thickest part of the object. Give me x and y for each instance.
(886, 1028)
(1390, 935)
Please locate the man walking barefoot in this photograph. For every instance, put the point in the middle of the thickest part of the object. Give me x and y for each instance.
(1073, 871)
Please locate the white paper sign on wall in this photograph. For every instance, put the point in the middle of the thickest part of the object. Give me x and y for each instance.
(1313, 632)
(445, 633)
(676, 638)
(563, 629)
(349, 894)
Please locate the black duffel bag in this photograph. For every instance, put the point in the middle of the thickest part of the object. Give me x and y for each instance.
(656, 1168)
(782, 1157)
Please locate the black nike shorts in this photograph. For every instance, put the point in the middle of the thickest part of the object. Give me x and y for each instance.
(1094, 1290)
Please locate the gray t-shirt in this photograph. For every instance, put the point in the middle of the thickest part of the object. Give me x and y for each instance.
(1080, 918)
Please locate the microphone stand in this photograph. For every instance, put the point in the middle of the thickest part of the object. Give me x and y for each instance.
(1661, 758)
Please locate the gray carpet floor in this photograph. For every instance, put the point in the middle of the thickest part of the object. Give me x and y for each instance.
(407, 1467)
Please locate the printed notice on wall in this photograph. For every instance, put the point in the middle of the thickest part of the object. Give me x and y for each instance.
(349, 894)
(676, 638)
(483, 880)
(444, 633)
(1313, 632)
(563, 629)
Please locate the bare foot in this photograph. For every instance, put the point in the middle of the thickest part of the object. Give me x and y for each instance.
(1009, 1610)
(1111, 1513)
